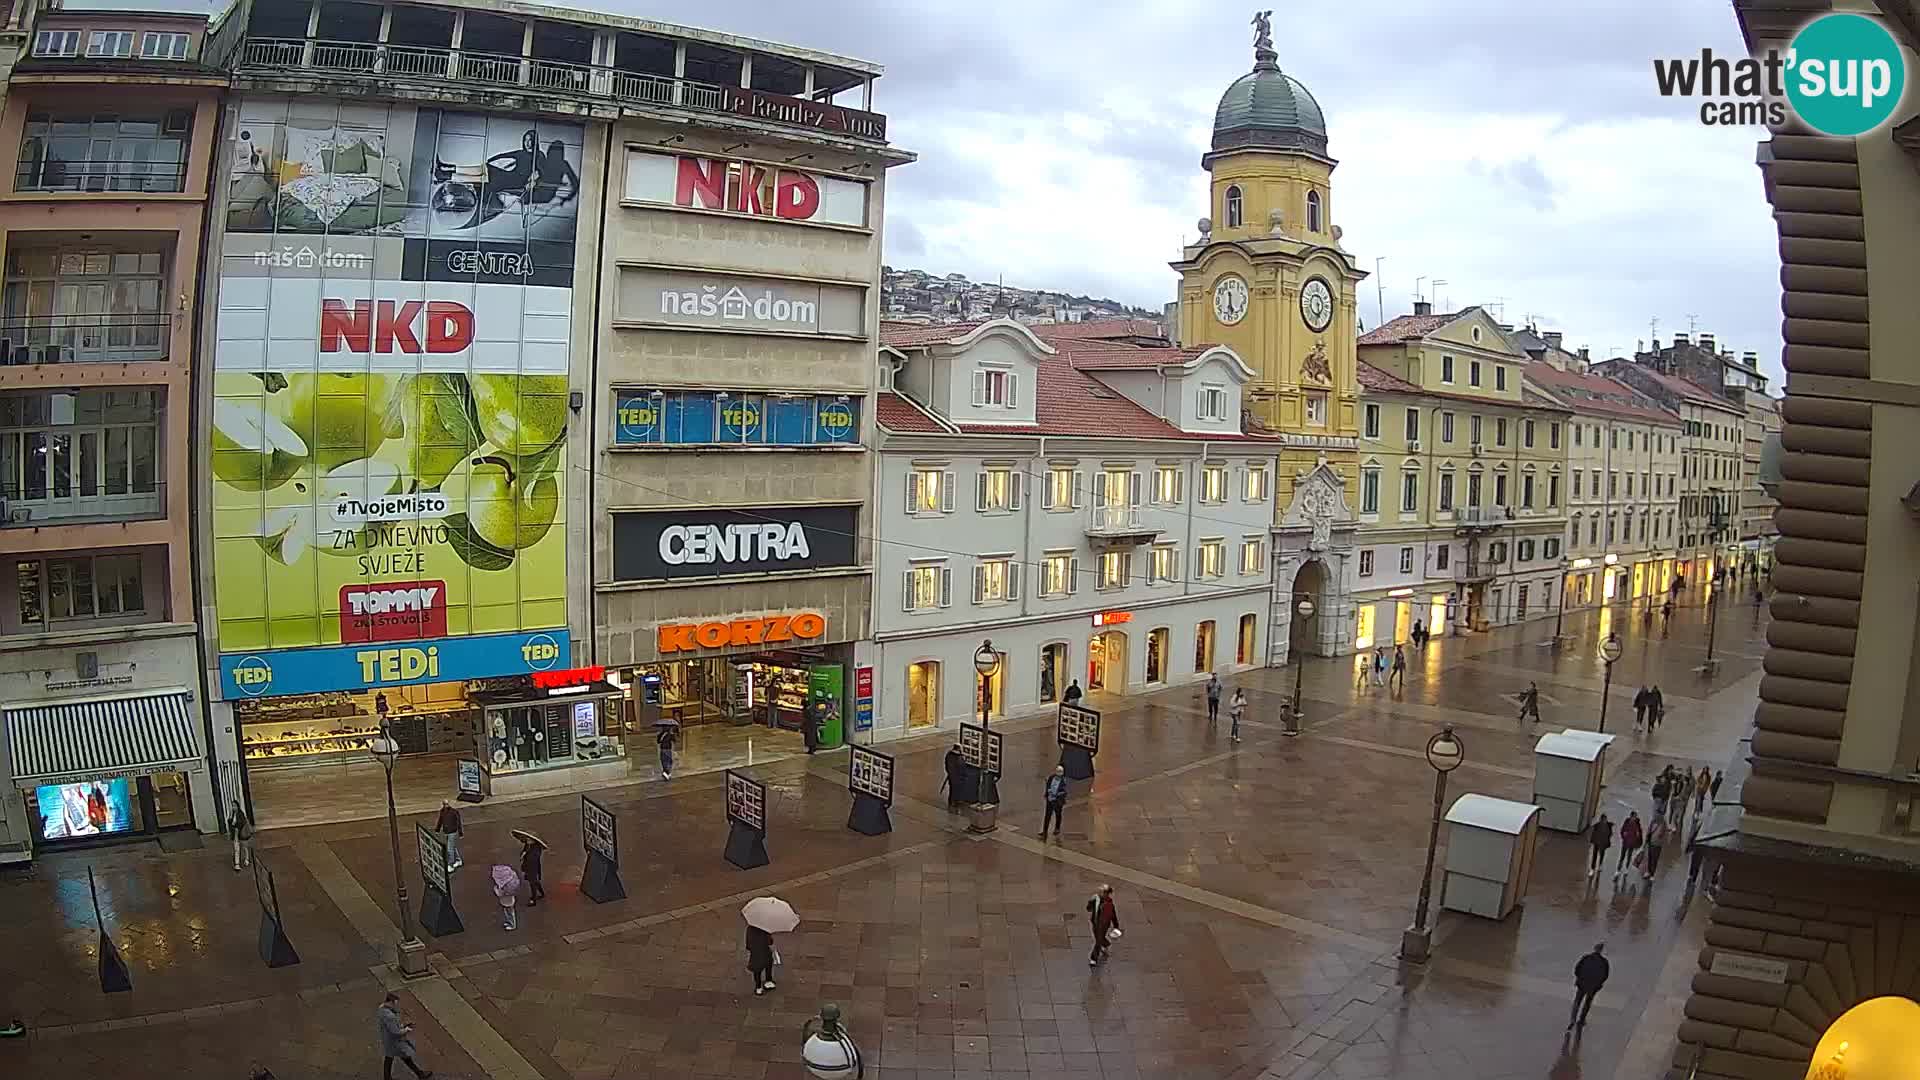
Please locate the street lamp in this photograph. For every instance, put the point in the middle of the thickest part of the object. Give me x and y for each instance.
(1559, 610)
(986, 661)
(829, 1052)
(1610, 651)
(413, 951)
(1445, 752)
(1713, 626)
(1305, 608)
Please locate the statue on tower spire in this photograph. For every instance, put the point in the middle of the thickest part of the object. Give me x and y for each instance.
(1263, 53)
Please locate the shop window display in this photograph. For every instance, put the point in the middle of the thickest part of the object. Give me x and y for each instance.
(550, 733)
(317, 728)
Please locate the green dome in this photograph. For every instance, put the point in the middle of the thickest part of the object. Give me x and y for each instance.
(1268, 107)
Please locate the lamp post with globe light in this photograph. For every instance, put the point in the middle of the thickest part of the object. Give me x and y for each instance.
(1445, 752)
(1610, 651)
(412, 951)
(986, 661)
(829, 1052)
(1305, 608)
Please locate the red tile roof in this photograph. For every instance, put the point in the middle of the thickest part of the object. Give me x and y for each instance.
(1373, 378)
(1381, 381)
(904, 335)
(1099, 329)
(1589, 393)
(1681, 387)
(1106, 355)
(1407, 328)
(897, 413)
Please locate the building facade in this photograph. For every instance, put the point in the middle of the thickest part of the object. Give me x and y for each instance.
(109, 123)
(1712, 437)
(1817, 831)
(1710, 366)
(1095, 510)
(477, 271)
(1462, 479)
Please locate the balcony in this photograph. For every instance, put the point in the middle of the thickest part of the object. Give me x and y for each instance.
(462, 72)
(68, 505)
(1119, 526)
(84, 339)
(102, 177)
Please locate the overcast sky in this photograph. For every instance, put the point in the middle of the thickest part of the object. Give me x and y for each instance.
(1516, 150)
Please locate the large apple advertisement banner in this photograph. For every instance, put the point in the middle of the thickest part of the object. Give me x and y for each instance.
(391, 391)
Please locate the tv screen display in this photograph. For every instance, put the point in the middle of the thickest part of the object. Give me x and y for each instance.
(93, 808)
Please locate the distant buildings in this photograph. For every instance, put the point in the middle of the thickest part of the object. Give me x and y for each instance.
(918, 296)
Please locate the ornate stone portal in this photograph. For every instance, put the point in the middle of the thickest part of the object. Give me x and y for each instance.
(1312, 550)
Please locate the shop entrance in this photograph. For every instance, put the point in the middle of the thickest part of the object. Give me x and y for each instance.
(1053, 672)
(1249, 628)
(1157, 655)
(923, 694)
(1203, 648)
(992, 696)
(1437, 615)
(1107, 662)
(1402, 622)
(733, 707)
(109, 809)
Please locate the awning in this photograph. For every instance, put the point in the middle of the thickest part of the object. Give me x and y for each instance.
(68, 741)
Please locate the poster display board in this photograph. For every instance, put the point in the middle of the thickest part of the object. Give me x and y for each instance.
(746, 821)
(467, 775)
(437, 916)
(870, 778)
(600, 836)
(275, 950)
(1078, 730)
(980, 751)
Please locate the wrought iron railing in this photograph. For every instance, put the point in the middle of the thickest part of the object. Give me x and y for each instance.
(465, 69)
(101, 176)
(84, 339)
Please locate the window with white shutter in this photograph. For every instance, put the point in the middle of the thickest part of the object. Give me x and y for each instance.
(946, 491)
(979, 387)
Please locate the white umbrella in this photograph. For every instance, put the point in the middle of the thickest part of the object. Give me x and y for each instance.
(771, 914)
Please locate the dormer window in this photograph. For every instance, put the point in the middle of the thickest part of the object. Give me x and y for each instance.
(1213, 403)
(1235, 211)
(110, 43)
(1313, 211)
(995, 388)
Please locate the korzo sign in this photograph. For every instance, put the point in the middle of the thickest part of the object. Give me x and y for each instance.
(673, 544)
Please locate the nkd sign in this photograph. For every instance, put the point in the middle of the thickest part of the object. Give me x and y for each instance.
(731, 186)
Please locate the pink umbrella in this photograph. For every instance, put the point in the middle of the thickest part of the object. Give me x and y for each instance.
(504, 880)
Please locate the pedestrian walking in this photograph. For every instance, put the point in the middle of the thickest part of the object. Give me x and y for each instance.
(396, 1039)
(1056, 798)
(1599, 839)
(1666, 611)
(452, 828)
(506, 889)
(1696, 855)
(1106, 923)
(242, 831)
(809, 731)
(956, 772)
(665, 738)
(1419, 635)
(1213, 698)
(1380, 667)
(1657, 833)
(1656, 709)
(760, 956)
(1642, 701)
(531, 849)
(1530, 702)
(1237, 709)
(1589, 975)
(1660, 793)
(1700, 785)
(1713, 789)
(1072, 695)
(1365, 678)
(1399, 666)
(1631, 833)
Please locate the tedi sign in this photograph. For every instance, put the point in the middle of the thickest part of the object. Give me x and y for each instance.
(657, 544)
(1844, 74)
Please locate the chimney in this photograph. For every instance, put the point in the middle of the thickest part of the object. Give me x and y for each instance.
(1678, 340)
(1586, 355)
(1752, 358)
(1553, 338)
(1706, 342)
(1423, 307)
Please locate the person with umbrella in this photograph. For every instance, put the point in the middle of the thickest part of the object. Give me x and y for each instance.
(765, 917)
(531, 848)
(506, 887)
(666, 733)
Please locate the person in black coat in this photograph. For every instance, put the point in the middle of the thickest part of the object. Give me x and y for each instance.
(1072, 696)
(956, 778)
(1642, 702)
(760, 959)
(1589, 975)
(530, 853)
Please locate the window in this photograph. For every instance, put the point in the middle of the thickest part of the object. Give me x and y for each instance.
(1371, 415)
(1553, 490)
(1553, 437)
(155, 45)
(1473, 430)
(1446, 427)
(80, 587)
(1409, 492)
(1058, 573)
(929, 586)
(1446, 369)
(111, 43)
(1446, 491)
(995, 388)
(1526, 434)
(1499, 376)
(85, 305)
(1613, 439)
(1210, 558)
(1366, 566)
(1167, 484)
(57, 43)
(1062, 491)
(1257, 483)
(1413, 424)
(1576, 479)
(1629, 485)
(1594, 475)
(1643, 528)
(1369, 491)
(1115, 570)
(1473, 373)
(1550, 547)
(1317, 409)
(1593, 531)
(1525, 551)
(1499, 431)
(1610, 530)
(930, 491)
(1235, 212)
(1442, 555)
(1406, 560)
(1526, 492)
(1163, 563)
(1253, 555)
(996, 579)
(1213, 403)
(1500, 489)
(1244, 644)
(1313, 211)
(1473, 490)
(1520, 602)
(1497, 551)
(1213, 484)
(1577, 430)
(80, 454)
(997, 489)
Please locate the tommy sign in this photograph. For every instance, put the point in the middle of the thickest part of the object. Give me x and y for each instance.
(730, 186)
(667, 544)
(701, 301)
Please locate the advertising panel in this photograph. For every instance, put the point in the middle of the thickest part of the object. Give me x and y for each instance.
(752, 188)
(92, 808)
(391, 390)
(870, 772)
(271, 673)
(671, 544)
(691, 300)
(734, 418)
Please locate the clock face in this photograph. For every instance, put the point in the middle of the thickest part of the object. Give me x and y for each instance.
(1230, 300)
(1316, 304)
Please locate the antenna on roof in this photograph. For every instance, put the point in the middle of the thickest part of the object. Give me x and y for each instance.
(1692, 322)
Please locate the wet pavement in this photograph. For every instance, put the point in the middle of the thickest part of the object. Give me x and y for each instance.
(1262, 887)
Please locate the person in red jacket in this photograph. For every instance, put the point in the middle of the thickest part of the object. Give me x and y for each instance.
(1631, 833)
(1101, 912)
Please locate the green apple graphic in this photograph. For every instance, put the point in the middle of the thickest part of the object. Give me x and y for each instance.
(253, 450)
(521, 414)
(440, 425)
(510, 508)
(342, 417)
(291, 530)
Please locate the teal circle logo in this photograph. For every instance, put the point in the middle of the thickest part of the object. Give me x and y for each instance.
(252, 675)
(1845, 74)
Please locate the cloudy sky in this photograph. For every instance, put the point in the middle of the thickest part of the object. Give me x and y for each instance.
(1518, 151)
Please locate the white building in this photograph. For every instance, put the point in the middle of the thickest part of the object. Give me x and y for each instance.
(1094, 509)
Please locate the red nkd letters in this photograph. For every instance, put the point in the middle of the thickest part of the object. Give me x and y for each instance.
(385, 326)
(745, 188)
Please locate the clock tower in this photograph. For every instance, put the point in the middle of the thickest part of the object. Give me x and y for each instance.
(1269, 278)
